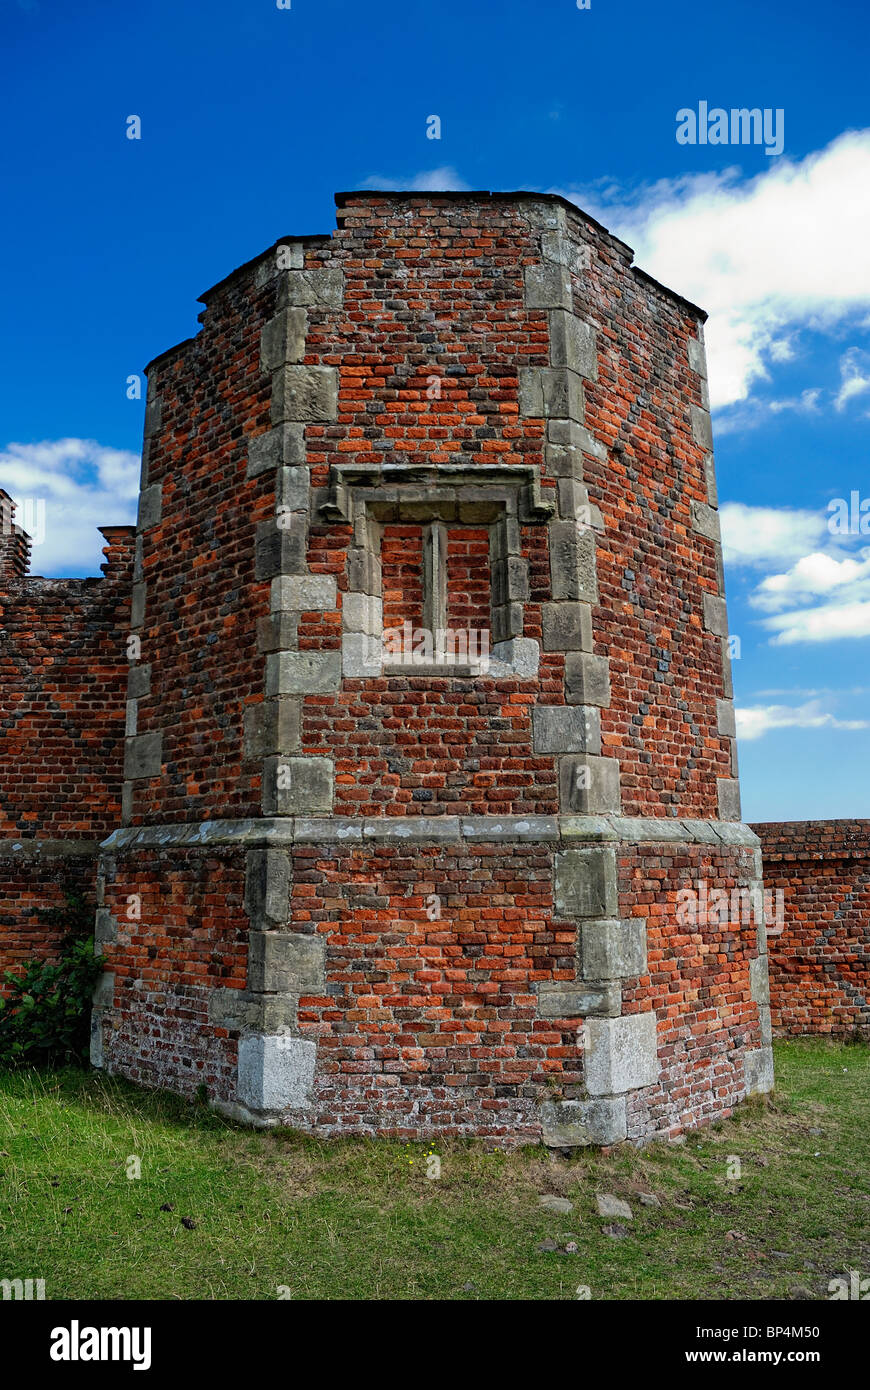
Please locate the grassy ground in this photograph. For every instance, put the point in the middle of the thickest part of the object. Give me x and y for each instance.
(250, 1213)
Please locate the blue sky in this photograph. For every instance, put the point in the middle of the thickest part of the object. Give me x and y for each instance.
(253, 116)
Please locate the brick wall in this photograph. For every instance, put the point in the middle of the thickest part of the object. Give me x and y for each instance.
(820, 959)
(63, 672)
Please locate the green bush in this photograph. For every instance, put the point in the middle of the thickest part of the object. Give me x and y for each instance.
(46, 1017)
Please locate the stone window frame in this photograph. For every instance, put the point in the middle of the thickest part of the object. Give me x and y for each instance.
(368, 497)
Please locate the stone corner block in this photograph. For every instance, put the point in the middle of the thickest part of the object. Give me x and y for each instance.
(758, 1070)
(362, 656)
(143, 756)
(621, 1054)
(702, 427)
(590, 999)
(305, 394)
(587, 679)
(287, 963)
(586, 882)
(268, 880)
(297, 786)
(275, 1073)
(697, 357)
(303, 673)
(566, 729)
(567, 1124)
(548, 286)
(613, 949)
(150, 506)
(759, 980)
(728, 793)
(715, 615)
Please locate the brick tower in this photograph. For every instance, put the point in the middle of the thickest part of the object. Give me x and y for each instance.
(430, 720)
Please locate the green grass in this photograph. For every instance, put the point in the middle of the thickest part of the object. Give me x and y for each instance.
(356, 1219)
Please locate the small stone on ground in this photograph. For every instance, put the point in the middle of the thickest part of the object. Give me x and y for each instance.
(608, 1205)
(560, 1204)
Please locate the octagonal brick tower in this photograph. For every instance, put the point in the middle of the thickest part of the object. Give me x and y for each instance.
(372, 878)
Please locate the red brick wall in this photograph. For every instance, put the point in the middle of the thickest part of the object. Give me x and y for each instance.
(698, 984)
(202, 598)
(433, 956)
(468, 579)
(402, 576)
(63, 676)
(653, 568)
(189, 938)
(820, 961)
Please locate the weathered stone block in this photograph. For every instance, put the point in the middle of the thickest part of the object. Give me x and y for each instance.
(759, 982)
(286, 963)
(566, 729)
(268, 879)
(697, 357)
(587, 679)
(573, 344)
(139, 681)
(361, 656)
(585, 883)
(728, 790)
(283, 339)
(276, 1073)
(566, 627)
(758, 1070)
(568, 1124)
(283, 445)
(316, 289)
(715, 615)
(548, 286)
(562, 999)
(143, 756)
(150, 506)
(281, 549)
(589, 785)
(613, 949)
(362, 613)
(702, 427)
(621, 1054)
(572, 562)
(297, 786)
(305, 394)
(305, 593)
(705, 520)
(137, 605)
(271, 727)
(726, 722)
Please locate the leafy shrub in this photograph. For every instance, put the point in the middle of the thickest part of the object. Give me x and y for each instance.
(46, 1017)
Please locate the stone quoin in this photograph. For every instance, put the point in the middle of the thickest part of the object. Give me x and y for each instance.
(350, 892)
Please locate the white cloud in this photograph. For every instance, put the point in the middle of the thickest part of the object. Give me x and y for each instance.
(443, 180)
(828, 622)
(83, 485)
(766, 257)
(807, 403)
(855, 376)
(755, 720)
(815, 575)
(768, 535)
